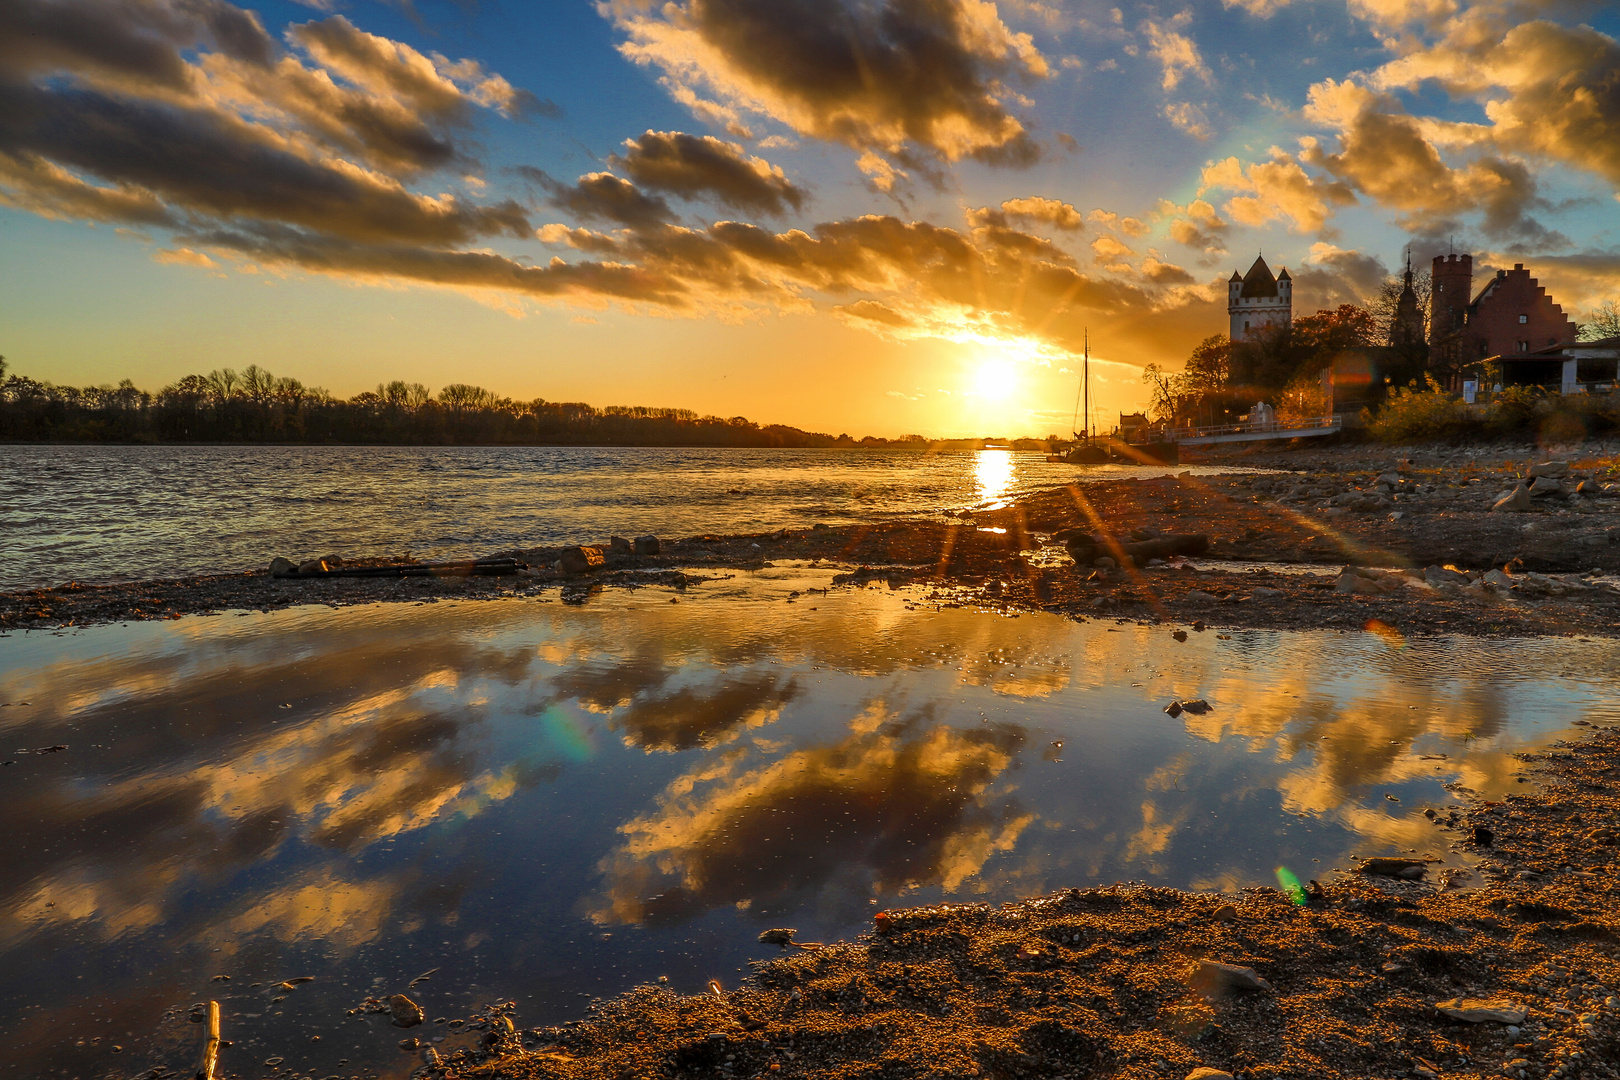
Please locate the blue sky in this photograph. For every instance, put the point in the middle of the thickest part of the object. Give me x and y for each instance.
(867, 215)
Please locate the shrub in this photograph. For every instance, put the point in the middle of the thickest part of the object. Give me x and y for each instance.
(1419, 415)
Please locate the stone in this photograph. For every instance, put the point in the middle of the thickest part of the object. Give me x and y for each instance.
(313, 566)
(618, 545)
(578, 560)
(1546, 485)
(1173, 709)
(1201, 597)
(1440, 575)
(1548, 468)
(1197, 706)
(648, 545)
(1391, 479)
(1226, 913)
(1179, 635)
(1482, 1010)
(1209, 974)
(1265, 592)
(280, 567)
(1499, 579)
(406, 1013)
(1514, 502)
(1204, 1072)
(1389, 867)
(1104, 563)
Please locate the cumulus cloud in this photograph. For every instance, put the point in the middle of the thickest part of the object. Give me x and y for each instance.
(701, 166)
(1034, 209)
(890, 77)
(184, 257)
(103, 115)
(1176, 53)
(1549, 91)
(1196, 225)
(1276, 189)
(1262, 8)
(1386, 153)
(319, 152)
(602, 196)
(1189, 118)
(1332, 276)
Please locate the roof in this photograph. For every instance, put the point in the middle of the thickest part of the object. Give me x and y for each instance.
(1235, 276)
(1258, 281)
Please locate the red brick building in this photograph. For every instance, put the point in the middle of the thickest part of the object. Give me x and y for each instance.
(1512, 318)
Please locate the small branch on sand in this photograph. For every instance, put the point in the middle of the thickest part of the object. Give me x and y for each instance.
(210, 1048)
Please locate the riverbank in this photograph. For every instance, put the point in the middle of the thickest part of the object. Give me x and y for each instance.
(1542, 569)
(1126, 982)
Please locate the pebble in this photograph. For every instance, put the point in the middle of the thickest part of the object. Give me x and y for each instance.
(406, 1013)
(1481, 1010)
(1204, 1072)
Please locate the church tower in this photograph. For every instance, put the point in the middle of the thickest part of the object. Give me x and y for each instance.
(1257, 299)
(1406, 328)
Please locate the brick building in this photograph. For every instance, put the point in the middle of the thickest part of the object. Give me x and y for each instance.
(1511, 320)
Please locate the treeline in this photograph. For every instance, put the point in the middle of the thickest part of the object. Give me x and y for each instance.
(255, 406)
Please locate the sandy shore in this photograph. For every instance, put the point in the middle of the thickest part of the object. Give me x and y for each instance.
(1321, 509)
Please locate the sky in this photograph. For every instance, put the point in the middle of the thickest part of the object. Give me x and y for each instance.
(866, 216)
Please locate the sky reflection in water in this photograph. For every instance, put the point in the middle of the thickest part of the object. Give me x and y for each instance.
(547, 801)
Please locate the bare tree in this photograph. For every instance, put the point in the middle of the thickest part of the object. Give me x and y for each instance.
(1605, 324)
(222, 382)
(258, 384)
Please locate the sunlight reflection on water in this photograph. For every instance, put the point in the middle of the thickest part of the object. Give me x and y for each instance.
(544, 800)
(993, 474)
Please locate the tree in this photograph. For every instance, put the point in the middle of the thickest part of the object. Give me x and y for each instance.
(258, 384)
(1605, 324)
(223, 383)
(1203, 381)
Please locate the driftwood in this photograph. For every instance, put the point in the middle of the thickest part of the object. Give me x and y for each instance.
(210, 1049)
(469, 568)
(1087, 548)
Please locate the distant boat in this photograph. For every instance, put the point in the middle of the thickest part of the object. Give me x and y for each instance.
(1090, 451)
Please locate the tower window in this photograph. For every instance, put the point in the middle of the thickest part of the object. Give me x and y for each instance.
(1524, 346)
(1523, 319)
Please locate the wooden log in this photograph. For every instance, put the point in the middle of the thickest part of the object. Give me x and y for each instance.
(210, 1049)
(1085, 549)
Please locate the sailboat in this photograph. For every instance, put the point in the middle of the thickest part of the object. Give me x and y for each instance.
(1088, 450)
(1084, 451)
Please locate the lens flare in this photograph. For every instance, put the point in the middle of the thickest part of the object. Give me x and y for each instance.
(1291, 886)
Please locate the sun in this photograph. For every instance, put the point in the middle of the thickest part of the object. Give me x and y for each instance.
(995, 378)
(999, 370)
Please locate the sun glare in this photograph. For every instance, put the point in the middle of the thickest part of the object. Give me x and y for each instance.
(995, 378)
(1000, 370)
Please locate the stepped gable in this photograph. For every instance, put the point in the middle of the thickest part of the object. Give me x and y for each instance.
(1259, 281)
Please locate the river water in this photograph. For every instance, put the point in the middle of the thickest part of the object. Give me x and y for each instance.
(106, 513)
(546, 803)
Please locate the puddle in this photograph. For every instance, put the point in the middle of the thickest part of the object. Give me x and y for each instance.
(549, 802)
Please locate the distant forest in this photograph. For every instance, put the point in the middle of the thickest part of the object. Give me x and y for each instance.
(255, 406)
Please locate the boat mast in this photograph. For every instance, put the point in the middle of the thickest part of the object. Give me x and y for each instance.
(1085, 382)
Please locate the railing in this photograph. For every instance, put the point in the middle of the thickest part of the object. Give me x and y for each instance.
(1257, 427)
